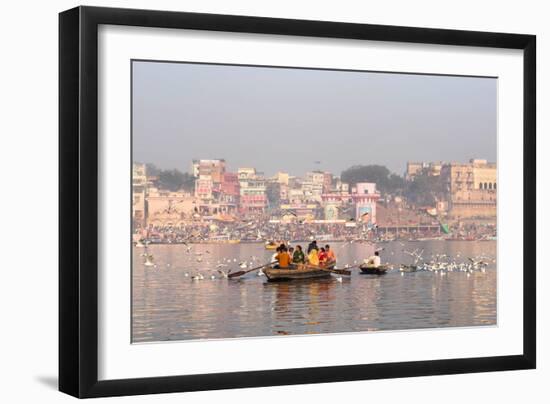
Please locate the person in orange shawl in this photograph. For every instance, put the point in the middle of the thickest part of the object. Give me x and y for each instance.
(331, 257)
(283, 259)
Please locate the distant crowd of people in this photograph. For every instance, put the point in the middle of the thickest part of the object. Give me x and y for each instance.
(287, 257)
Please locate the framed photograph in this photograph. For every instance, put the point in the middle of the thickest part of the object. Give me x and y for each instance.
(250, 201)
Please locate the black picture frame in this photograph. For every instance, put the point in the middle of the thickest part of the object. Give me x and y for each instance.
(78, 196)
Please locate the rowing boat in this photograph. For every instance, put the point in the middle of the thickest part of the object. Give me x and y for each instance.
(302, 271)
(408, 268)
(271, 245)
(370, 270)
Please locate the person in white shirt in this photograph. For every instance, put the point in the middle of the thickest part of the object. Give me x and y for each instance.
(374, 260)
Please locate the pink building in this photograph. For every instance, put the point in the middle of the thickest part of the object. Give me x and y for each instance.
(203, 189)
(363, 198)
(230, 184)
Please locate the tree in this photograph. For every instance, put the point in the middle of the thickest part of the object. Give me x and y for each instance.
(273, 192)
(386, 181)
(173, 180)
(425, 189)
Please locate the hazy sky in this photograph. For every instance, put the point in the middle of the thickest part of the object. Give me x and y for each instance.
(277, 119)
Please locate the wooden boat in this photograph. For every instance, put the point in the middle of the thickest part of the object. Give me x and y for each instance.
(303, 271)
(370, 270)
(408, 268)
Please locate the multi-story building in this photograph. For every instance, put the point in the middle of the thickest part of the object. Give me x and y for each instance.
(139, 190)
(472, 189)
(282, 178)
(204, 187)
(315, 177)
(253, 191)
(312, 191)
(296, 195)
(415, 168)
(360, 203)
(327, 181)
(230, 184)
(365, 196)
(229, 193)
(213, 169)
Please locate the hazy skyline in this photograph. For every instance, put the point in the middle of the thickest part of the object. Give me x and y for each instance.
(277, 119)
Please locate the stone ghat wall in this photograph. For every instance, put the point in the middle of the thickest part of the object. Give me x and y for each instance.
(469, 210)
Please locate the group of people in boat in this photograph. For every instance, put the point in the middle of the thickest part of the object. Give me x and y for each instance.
(287, 257)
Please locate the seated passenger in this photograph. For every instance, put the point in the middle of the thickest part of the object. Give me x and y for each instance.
(283, 259)
(298, 256)
(323, 257)
(331, 257)
(313, 257)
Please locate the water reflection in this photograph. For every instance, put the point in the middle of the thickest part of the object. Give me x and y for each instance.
(168, 305)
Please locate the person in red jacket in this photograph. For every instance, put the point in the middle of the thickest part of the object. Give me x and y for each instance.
(323, 257)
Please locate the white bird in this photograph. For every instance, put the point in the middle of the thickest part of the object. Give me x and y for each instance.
(243, 265)
(339, 279)
(199, 259)
(197, 277)
(212, 277)
(186, 274)
(149, 261)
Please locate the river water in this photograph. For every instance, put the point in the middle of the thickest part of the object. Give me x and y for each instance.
(167, 304)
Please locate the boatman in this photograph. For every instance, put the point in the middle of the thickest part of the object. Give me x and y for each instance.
(312, 246)
(374, 260)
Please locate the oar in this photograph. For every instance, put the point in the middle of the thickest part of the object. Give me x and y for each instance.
(240, 273)
(340, 271)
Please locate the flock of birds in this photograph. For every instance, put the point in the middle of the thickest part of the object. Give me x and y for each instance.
(222, 266)
(444, 263)
(437, 263)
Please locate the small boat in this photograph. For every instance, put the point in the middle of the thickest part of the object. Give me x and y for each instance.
(303, 271)
(271, 245)
(370, 270)
(408, 268)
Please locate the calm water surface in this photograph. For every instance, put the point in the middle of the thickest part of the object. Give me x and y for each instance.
(168, 305)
